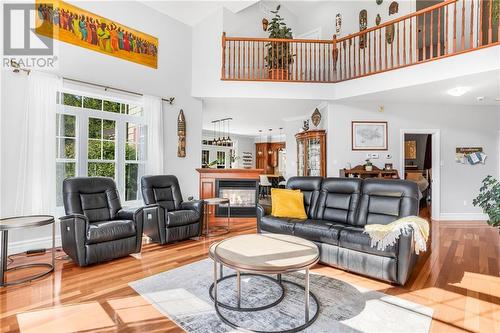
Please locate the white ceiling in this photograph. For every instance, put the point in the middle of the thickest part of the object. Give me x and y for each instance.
(485, 85)
(250, 115)
(192, 12)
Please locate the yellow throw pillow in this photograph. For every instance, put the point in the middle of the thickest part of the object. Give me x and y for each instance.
(287, 203)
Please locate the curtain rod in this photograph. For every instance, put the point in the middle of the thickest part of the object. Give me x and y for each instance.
(168, 100)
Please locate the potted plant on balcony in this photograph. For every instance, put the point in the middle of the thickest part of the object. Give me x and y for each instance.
(489, 200)
(279, 54)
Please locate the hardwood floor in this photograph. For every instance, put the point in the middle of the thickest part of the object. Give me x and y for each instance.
(458, 277)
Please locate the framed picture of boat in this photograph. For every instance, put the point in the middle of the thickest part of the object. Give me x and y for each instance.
(68, 23)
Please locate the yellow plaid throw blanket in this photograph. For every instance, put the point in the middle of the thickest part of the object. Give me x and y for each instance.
(385, 235)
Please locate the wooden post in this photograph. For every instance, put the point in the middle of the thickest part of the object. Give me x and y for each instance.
(223, 67)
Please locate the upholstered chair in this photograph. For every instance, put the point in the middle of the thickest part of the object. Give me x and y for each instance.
(96, 228)
(167, 217)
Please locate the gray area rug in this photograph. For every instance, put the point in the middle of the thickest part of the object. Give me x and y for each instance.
(182, 295)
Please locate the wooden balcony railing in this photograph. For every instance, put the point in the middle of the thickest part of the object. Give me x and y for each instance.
(449, 28)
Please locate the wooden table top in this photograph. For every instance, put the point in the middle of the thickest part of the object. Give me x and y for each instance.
(269, 253)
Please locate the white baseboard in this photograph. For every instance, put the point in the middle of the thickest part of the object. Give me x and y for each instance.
(463, 217)
(34, 243)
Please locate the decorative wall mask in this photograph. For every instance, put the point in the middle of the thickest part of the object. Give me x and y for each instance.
(181, 133)
(378, 19)
(379, 2)
(393, 8)
(363, 21)
(316, 117)
(265, 23)
(338, 23)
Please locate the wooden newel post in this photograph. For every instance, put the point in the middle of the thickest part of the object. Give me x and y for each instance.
(223, 67)
(335, 52)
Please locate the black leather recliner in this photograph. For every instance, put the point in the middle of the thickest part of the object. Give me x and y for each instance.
(96, 228)
(337, 211)
(168, 218)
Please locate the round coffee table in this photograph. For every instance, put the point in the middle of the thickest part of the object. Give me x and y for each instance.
(264, 255)
(22, 222)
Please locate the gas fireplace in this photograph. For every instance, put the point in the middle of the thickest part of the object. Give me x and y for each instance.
(242, 193)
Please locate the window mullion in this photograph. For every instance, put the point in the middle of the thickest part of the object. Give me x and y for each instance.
(83, 138)
(120, 156)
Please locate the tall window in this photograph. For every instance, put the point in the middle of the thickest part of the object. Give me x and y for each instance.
(65, 150)
(100, 137)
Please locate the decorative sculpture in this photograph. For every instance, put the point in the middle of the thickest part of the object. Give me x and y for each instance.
(181, 133)
(305, 127)
(363, 21)
(338, 23)
(379, 2)
(389, 30)
(316, 117)
(378, 19)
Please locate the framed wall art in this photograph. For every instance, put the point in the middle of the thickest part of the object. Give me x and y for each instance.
(369, 135)
(68, 23)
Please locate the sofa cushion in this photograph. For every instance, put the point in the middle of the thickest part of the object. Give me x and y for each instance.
(353, 238)
(319, 231)
(181, 217)
(338, 200)
(386, 200)
(104, 231)
(310, 186)
(278, 225)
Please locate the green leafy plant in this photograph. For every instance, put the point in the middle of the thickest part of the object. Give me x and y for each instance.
(489, 200)
(368, 162)
(279, 54)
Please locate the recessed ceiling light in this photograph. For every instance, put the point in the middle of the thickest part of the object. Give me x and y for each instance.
(458, 91)
(480, 98)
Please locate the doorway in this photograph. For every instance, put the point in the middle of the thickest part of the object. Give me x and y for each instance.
(420, 163)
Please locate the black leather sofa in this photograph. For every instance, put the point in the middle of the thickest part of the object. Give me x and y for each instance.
(337, 211)
(167, 217)
(96, 228)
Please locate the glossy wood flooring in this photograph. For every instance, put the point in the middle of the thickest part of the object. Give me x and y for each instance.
(458, 277)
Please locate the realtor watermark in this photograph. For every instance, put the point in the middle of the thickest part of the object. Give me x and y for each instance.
(22, 46)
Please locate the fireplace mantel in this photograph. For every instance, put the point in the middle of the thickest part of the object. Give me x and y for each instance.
(208, 186)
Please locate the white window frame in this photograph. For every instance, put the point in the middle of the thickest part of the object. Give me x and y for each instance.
(82, 120)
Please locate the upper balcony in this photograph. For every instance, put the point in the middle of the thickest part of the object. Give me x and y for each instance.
(449, 28)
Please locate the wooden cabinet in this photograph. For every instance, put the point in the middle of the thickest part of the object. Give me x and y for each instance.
(266, 156)
(311, 153)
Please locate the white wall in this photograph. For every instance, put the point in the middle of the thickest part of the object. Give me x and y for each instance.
(460, 126)
(171, 78)
(323, 15)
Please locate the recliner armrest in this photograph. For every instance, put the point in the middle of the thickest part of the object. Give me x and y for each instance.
(260, 213)
(196, 205)
(135, 214)
(129, 213)
(73, 236)
(406, 256)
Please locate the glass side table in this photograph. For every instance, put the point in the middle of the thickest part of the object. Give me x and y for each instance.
(23, 222)
(216, 202)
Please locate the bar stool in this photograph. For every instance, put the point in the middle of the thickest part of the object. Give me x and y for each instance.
(216, 202)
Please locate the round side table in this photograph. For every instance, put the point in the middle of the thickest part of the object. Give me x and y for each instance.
(216, 202)
(23, 222)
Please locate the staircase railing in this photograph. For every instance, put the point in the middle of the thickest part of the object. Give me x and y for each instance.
(448, 28)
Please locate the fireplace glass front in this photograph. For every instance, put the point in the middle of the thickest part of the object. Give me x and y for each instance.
(241, 193)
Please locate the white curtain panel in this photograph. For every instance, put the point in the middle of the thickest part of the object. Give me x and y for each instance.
(36, 190)
(155, 130)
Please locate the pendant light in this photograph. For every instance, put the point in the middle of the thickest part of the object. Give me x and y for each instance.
(259, 152)
(269, 150)
(213, 141)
